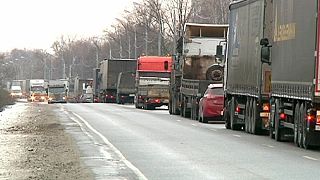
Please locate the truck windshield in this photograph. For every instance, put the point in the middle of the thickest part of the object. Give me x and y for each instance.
(56, 90)
(37, 88)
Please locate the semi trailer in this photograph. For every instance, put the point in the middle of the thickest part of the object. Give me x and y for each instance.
(273, 70)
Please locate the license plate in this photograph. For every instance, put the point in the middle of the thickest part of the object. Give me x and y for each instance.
(317, 127)
(131, 95)
(264, 114)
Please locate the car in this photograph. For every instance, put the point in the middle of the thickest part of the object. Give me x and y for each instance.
(211, 104)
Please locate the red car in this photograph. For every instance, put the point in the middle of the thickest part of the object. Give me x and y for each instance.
(211, 104)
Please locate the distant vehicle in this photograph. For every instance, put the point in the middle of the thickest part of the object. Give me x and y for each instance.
(37, 90)
(108, 77)
(57, 91)
(126, 87)
(152, 81)
(78, 88)
(211, 104)
(16, 89)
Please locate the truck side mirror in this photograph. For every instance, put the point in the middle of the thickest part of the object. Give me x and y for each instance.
(219, 51)
(265, 50)
(265, 54)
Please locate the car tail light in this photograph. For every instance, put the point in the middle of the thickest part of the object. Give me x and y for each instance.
(157, 100)
(237, 109)
(283, 116)
(310, 118)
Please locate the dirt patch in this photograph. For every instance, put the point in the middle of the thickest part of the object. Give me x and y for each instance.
(33, 145)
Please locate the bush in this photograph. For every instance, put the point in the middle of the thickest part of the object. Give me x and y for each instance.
(5, 98)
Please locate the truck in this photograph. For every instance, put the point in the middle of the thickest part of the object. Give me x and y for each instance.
(273, 70)
(108, 76)
(126, 87)
(80, 87)
(37, 91)
(198, 63)
(57, 91)
(16, 89)
(152, 81)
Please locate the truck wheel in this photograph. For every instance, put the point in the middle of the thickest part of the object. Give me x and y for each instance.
(296, 124)
(255, 129)
(226, 115)
(170, 107)
(246, 118)
(271, 120)
(278, 131)
(200, 116)
(233, 125)
(250, 117)
(305, 139)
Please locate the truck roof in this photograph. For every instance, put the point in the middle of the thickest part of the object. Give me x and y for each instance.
(154, 64)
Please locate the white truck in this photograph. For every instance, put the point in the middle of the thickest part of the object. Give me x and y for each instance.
(57, 91)
(16, 89)
(37, 90)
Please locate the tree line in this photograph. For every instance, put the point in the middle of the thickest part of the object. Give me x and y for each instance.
(151, 27)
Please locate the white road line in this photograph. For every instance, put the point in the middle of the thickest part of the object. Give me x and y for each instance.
(128, 163)
(178, 120)
(236, 135)
(214, 130)
(194, 125)
(268, 145)
(310, 158)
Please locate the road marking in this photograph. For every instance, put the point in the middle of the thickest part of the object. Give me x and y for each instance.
(236, 135)
(268, 145)
(128, 163)
(310, 158)
(178, 120)
(214, 130)
(194, 125)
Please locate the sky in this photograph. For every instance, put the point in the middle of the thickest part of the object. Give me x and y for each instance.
(36, 24)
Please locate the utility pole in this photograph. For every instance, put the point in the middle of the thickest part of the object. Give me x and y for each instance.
(135, 41)
(146, 38)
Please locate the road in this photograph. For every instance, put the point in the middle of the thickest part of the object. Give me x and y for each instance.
(156, 145)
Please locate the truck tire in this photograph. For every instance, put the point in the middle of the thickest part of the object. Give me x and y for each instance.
(226, 115)
(271, 120)
(305, 139)
(170, 107)
(255, 127)
(233, 125)
(250, 117)
(296, 124)
(246, 118)
(278, 131)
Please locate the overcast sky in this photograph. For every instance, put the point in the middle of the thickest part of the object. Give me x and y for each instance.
(37, 24)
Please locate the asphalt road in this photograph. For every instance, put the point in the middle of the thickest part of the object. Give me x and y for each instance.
(156, 145)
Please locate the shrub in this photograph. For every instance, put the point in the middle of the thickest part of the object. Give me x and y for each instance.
(5, 98)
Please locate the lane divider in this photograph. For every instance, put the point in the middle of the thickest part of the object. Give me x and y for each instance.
(105, 140)
(310, 158)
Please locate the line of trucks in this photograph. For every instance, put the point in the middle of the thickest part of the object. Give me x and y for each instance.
(143, 81)
(269, 60)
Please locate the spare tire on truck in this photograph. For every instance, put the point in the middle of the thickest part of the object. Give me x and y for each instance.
(215, 73)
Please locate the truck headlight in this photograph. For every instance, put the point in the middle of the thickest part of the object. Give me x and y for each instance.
(50, 99)
(64, 98)
(42, 97)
